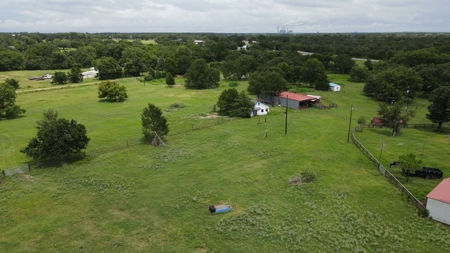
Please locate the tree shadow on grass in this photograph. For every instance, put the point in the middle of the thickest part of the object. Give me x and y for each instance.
(385, 131)
(59, 162)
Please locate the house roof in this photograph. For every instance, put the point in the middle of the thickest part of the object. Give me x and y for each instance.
(297, 97)
(441, 192)
(259, 105)
(333, 84)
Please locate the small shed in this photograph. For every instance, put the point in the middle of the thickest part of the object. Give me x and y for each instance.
(259, 109)
(438, 202)
(334, 87)
(91, 73)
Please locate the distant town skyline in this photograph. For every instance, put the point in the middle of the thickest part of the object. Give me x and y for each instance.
(224, 16)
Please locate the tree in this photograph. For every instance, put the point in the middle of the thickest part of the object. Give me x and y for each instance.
(368, 64)
(59, 78)
(267, 82)
(201, 76)
(8, 107)
(439, 109)
(75, 75)
(154, 125)
(397, 83)
(10, 60)
(112, 91)
(358, 74)
(170, 80)
(394, 115)
(322, 82)
(56, 138)
(234, 104)
(170, 66)
(311, 70)
(408, 163)
(108, 68)
(343, 63)
(12, 82)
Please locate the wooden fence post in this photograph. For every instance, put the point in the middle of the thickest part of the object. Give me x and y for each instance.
(3, 172)
(29, 167)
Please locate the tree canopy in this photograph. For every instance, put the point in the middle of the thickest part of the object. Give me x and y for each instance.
(234, 104)
(112, 91)
(154, 124)
(201, 76)
(8, 107)
(439, 109)
(56, 138)
(394, 116)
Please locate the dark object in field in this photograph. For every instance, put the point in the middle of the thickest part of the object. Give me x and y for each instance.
(220, 208)
(426, 172)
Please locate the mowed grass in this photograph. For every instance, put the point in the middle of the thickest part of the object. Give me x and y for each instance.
(26, 84)
(147, 199)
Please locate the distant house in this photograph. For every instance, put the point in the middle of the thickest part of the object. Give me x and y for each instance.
(47, 76)
(91, 73)
(294, 100)
(196, 42)
(438, 202)
(334, 87)
(259, 109)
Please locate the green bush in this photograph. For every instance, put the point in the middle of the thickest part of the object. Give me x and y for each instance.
(177, 105)
(233, 84)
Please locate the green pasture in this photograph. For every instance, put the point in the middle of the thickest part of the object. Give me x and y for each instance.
(26, 84)
(131, 197)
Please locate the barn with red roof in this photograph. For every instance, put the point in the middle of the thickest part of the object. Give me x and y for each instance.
(438, 202)
(294, 100)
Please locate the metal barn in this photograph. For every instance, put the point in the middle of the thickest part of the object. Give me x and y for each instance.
(438, 202)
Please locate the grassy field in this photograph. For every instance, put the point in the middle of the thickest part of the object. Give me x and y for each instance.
(25, 84)
(145, 199)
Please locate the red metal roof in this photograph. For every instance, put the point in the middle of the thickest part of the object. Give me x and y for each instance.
(296, 96)
(441, 192)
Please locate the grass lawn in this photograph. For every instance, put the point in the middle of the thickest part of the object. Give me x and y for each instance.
(145, 199)
(25, 84)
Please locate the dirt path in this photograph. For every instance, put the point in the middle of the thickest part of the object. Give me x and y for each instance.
(59, 87)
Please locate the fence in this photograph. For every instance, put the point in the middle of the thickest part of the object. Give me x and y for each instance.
(430, 126)
(124, 144)
(385, 172)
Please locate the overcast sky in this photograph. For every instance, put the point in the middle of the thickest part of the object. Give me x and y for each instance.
(224, 16)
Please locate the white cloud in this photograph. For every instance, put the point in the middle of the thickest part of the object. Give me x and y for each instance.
(223, 15)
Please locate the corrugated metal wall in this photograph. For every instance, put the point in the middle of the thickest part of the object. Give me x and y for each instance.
(268, 99)
(439, 211)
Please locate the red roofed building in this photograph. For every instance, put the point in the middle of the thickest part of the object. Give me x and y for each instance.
(438, 202)
(294, 100)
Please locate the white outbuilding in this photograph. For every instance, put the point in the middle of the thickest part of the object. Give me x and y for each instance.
(91, 73)
(259, 109)
(438, 202)
(334, 87)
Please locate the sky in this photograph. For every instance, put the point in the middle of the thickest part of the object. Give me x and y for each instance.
(224, 16)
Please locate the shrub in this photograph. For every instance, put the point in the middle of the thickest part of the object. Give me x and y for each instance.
(177, 105)
(233, 84)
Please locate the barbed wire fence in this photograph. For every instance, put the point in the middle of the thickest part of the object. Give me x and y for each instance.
(120, 145)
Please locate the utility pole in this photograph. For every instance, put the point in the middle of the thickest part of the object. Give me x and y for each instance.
(285, 124)
(350, 123)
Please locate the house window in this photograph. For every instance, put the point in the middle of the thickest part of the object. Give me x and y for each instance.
(267, 109)
(262, 110)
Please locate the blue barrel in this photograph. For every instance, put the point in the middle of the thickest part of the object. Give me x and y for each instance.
(220, 208)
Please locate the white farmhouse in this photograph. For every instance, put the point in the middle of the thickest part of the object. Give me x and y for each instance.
(259, 109)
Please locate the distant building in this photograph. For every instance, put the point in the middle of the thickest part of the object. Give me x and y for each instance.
(335, 87)
(438, 202)
(91, 73)
(196, 42)
(259, 109)
(294, 100)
